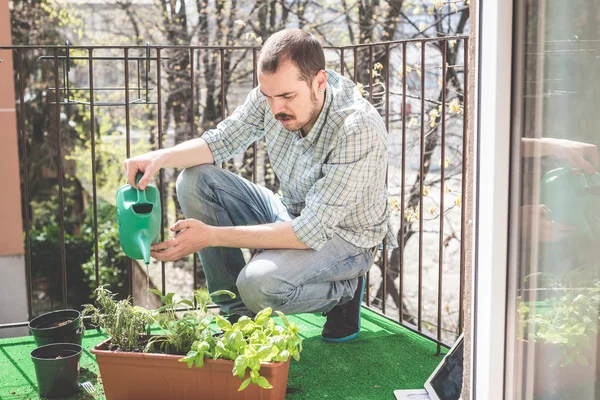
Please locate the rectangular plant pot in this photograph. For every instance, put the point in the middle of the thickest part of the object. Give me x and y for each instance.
(161, 376)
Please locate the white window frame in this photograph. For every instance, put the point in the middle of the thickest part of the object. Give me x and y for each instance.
(493, 121)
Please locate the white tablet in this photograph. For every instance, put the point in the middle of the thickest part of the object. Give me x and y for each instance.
(445, 383)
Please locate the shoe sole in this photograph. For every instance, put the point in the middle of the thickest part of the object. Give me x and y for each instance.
(355, 334)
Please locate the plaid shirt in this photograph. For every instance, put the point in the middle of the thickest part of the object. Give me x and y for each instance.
(333, 179)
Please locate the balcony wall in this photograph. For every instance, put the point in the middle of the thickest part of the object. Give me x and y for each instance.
(12, 291)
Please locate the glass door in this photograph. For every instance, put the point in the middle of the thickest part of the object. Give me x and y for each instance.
(554, 242)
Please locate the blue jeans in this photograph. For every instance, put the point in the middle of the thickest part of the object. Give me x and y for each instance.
(291, 281)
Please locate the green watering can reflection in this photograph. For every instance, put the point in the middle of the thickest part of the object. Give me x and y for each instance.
(139, 218)
(574, 199)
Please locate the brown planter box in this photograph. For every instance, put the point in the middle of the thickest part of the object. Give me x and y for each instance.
(161, 376)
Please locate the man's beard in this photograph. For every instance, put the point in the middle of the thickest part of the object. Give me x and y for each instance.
(313, 115)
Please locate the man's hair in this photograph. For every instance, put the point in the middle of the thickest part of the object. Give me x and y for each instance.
(297, 46)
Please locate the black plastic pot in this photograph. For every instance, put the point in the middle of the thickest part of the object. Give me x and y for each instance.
(57, 368)
(53, 327)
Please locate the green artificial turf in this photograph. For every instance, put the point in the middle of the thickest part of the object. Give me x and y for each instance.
(384, 358)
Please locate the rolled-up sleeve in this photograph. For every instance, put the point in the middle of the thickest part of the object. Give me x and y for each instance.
(351, 164)
(235, 133)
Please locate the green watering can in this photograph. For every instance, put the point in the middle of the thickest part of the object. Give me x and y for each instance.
(573, 199)
(139, 218)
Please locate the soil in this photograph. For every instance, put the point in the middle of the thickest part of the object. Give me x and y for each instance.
(55, 324)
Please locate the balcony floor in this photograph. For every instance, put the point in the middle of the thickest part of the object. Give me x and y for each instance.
(386, 357)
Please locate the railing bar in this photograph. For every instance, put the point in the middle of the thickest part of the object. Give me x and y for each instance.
(442, 195)
(66, 72)
(88, 317)
(195, 258)
(107, 58)
(355, 64)
(368, 298)
(139, 79)
(222, 95)
(400, 41)
(161, 172)
(108, 104)
(421, 173)
(148, 71)
(64, 89)
(195, 276)
(25, 183)
(128, 151)
(391, 42)
(402, 185)
(387, 128)
(254, 145)
(463, 188)
(93, 148)
(192, 133)
(222, 54)
(61, 204)
(342, 62)
(192, 100)
(408, 326)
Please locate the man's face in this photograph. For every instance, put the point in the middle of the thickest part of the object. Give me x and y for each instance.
(294, 103)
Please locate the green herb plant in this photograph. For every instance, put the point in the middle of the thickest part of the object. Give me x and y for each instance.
(569, 319)
(126, 325)
(177, 334)
(189, 329)
(249, 342)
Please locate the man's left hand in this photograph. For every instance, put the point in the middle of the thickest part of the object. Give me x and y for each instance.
(192, 235)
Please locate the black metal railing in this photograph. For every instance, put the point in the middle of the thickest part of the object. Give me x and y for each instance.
(427, 67)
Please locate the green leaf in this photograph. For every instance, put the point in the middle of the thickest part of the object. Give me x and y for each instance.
(236, 341)
(283, 318)
(187, 303)
(246, 324)
(263, 382)
(223, 292)
(239, 366)
(223, 323)
(168, 298)
(265, 353)
(244, 385)
(263, 316)
(189, 358)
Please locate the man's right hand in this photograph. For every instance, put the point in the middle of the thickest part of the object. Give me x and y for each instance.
(148, 164)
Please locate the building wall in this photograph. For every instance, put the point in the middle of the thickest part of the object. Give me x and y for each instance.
(468, 202)
(13, 293)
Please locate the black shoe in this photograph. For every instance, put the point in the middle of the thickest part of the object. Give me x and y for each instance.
(343, 321)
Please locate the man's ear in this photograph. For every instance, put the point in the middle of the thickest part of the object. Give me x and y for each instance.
(322, 79)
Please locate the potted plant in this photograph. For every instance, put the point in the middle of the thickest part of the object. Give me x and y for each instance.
(562, 333)
(62, 326)
(195, 355)
(57, 368)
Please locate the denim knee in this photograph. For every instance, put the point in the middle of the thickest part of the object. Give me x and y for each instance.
(191, 181)
(256, 292)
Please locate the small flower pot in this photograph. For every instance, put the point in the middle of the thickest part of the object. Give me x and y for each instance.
(57, 368)
(128, 375)
(62, 326)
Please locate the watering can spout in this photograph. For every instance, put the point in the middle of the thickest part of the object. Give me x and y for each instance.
(144, 246)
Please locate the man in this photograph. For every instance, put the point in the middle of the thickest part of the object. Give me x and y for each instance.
(328, 147)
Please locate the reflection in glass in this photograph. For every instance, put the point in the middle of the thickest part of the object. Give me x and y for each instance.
(556, 228)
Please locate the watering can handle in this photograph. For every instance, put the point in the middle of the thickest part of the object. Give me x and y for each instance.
(141, 193)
